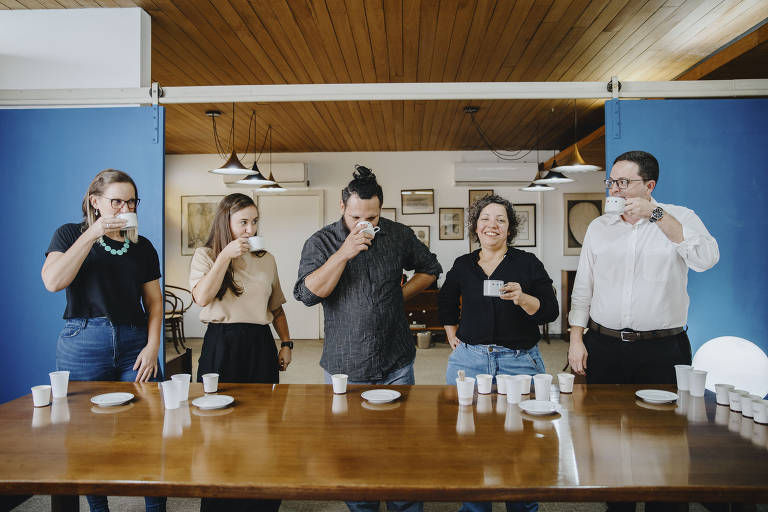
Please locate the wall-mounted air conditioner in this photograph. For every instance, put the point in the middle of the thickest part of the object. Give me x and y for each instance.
(493, 173)
(287, 174)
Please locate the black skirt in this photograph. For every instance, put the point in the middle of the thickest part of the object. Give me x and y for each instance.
(239, 353)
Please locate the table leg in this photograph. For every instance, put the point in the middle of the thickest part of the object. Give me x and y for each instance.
(65, 503)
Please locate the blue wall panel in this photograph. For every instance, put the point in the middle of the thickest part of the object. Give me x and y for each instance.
(711, 154)
(48, 157)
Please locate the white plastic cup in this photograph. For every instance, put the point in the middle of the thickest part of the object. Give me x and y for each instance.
(501, 383)
(615, 204)
(59, 383)
(339, 381)
(681, 373)
(734, 399)
(184, 379)
(565, 382)
(41, 395)
(526, 384)
(210, 382)
(696, 381)
(514, 386)
(466, 390)
(171, 393)
(746, 404)
(256, 243)
(339, 404)
(760, 410)
(131, 219)
(721, 393)
(484, 383)
(542, 383)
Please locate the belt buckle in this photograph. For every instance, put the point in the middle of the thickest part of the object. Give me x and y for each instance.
(628, 336)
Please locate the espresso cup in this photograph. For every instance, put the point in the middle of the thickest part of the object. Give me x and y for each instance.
(492, 287)
(131, 219)
(615, 205)
(256, 243)
(368, 228)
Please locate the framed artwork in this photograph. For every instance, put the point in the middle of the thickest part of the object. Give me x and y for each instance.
(579, 211)
(417, 201)
(451, 223)
(197, 214)
(422, 233)
(389, 213)
(474, 195)
(526, 225)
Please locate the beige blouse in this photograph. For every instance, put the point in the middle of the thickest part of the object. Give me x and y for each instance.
(256, 276)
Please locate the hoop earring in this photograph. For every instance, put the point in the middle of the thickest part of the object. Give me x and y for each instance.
(96, 212)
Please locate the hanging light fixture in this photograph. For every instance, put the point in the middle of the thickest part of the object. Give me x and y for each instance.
(232, 166)
(255, 177)
(577, 163)
(553, 176)
(535, 186)
(272, 186)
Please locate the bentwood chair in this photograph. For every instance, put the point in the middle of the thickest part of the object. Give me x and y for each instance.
(176, 304)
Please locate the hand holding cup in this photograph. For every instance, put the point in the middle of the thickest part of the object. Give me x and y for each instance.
(236, 248)
(356, 242)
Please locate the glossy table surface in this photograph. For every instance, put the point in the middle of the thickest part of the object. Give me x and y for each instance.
(302, 442)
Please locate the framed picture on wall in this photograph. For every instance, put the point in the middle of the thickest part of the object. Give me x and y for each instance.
(451, 223)
(422, 233)
(526, 225)
(579, 211)
(417, 201)
(474, 195)
(389, 213)
(197, 214)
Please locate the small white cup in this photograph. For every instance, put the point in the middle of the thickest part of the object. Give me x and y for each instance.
(59, 383)
(514, 386)
(210, 382)
(172, 389)
(681, 372)
(542, 382)
(131, 219)
(41, 395)
(501, 383)
(484, 383)
(760, 410)
(721, 393)
(339, 381)
(565, 382)
(615, 205)
(256, 243)
(696, 381)
(184, 379)
(339, 404)
(526, 384)
(746, 404)
(734, 399)
(492, 287)
(466, 390)
(368, 228)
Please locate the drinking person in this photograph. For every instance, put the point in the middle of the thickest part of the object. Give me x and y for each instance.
(114, 305)
(495, 333)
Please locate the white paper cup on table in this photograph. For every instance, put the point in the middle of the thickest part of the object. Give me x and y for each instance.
(721, 393)
(746, 404)
(210, 382)
(59, 383)
(339, 381)
(466, 390)
(501, 383)
(514, 386)
(565, 382)
(484, 383)
(339, 404)
(171, 393)
(542, 382)
(696, 381)
(41, 395)
(184, 379)
(131, 219)
(256, 243)
(681, 373)
(760, 410)
(526, 384)
(615, 204)
(734, 397)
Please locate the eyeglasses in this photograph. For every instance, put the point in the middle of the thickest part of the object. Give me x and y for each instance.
(622, 183)
(118, 203)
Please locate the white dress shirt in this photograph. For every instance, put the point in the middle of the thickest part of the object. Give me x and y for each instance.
(634, 277)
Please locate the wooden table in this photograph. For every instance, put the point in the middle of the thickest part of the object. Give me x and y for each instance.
(302, 442)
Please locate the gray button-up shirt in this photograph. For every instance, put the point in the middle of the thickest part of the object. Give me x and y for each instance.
(366, 331)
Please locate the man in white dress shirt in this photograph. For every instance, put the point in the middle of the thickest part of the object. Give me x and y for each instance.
(631, 284)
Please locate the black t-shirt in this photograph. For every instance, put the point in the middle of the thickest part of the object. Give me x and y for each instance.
(107, 284)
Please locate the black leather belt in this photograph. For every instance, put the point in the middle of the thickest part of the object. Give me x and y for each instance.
(630, 335)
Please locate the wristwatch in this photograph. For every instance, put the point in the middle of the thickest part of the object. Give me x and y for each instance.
(288, 344)
(656, 214)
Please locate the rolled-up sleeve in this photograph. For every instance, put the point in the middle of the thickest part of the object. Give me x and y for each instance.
(448, 299)
(583, 285)
(313, 256)
(698, 249)
(542, 290)
(421, 260)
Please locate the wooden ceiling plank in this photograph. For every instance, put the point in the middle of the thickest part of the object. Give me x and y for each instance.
(339, 125)
(390, 124)
(427, 34)
(377, 32)
(393, 19)
(340, 21)
(371, 123)
(524, 37)
(398, 118)
(446, 17)
(321, 40)
(359, 25)
(13, 4)
(411, 30)
(171, 66)
(299, 121)
(478, 34)
(288, 33)
(458, 41)
(416, 124)
(320, 134)
(197, 133)
(352, 116)
(508, 23)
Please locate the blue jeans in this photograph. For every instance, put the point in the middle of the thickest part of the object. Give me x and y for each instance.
(401, 376)
(494, 360)
(96, 349)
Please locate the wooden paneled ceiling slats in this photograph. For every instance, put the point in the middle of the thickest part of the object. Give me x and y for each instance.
(446, 17)
(321, 41)
(393, 16)
(333, 45)
(411, 30)
(359, 25)
(426, 43)
(340, 27)
(377, 33)
(458, 42)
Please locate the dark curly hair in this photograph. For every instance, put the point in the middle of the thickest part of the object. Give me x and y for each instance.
(477, 207)
(364, 185)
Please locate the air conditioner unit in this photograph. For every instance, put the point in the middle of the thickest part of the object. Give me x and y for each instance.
(287, 174)
(493, 173)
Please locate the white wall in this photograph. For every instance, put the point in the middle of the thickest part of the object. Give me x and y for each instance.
(74, 48)
(188, 175)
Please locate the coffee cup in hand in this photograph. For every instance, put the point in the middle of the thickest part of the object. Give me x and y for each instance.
(615, 204)
(256, 243)
(492, 287)
(368, 228)
(131, 219)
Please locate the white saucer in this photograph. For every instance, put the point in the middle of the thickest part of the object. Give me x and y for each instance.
(539, 407)
(380, 396)
(110, 399)
(656, 396)
(212, 401)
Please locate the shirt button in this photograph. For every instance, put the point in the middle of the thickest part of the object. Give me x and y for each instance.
(490, 349)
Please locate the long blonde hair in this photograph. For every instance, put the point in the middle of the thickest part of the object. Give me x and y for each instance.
(97, 187)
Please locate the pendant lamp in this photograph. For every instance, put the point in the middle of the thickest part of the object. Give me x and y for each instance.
(535, 186)
(553, 176)
(577, 163)
(272, 186)
(233, 165)
(255, 177)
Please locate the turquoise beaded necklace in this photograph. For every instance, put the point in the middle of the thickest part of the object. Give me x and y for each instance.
(117, 252)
